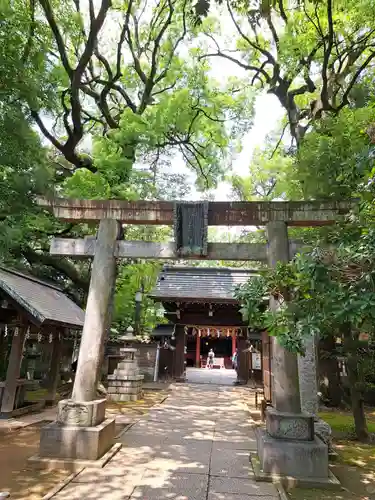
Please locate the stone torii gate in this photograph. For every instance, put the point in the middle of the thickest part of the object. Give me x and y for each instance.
(289, 447)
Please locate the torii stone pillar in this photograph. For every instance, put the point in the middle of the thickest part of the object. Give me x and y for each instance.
(103, 276)
(308, 378)
(288, 446)
(284, 364)
(307, 369)
(81, 431)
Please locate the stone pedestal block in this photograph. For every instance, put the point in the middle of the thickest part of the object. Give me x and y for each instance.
(126, 382)
(294, 427)
(119, 379)
(76, 442)
(81, 413)
(324, 432)
(120, 398)
(130, 389)
(301, 459)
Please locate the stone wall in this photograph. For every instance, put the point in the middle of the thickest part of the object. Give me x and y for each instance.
(146, 359)
(42, 364)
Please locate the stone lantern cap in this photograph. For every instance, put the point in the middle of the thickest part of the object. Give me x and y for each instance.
(129, 336)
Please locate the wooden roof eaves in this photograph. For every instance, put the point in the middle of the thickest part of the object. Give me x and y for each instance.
(21, 304)
(195, 300)
(62, 324)
(32, 314)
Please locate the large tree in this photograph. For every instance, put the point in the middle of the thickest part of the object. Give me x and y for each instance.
(310, 54)
(115, 94)
(336, 159)
(125, 89)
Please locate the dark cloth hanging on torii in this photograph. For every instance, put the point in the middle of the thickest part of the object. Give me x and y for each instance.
(190, 228)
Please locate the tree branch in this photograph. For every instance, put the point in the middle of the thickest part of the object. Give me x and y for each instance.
(177, 43)
(326, 58)
(46, 6)
(29, 42)
(150, 81)
(201, 110)
(345, 101)
(198, 163)
(282, 11)
(279, 142)
(240, 64)
(58, 145)
(61, 265)
(137, 65)
(255, 46)
(95, 27)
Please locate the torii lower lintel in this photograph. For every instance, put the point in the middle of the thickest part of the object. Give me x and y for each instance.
(85, 247)
(220, 213)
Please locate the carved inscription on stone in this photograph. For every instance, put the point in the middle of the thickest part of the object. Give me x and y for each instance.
(81, 414)
(293, 429)
(289, 426)
(77, 414)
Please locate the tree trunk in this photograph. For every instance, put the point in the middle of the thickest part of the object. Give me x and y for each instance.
(356, 395)
(329, 376)
(360, 423)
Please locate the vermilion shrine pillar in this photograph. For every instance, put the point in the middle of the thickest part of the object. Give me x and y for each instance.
(242, 360)
(233, 343)
(198, 351)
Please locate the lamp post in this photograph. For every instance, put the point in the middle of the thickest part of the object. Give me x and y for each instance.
(138, 307)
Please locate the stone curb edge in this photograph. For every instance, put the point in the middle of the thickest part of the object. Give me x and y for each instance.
(62, 484)
(280, 490)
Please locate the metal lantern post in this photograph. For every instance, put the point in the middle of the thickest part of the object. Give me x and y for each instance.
(138, 309)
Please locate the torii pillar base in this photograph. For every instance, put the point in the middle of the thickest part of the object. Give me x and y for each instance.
(290, 453)
(288, 447)
(80, 436)
(291, 463)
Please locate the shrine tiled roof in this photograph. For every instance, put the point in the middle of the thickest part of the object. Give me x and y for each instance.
(163, 331)
(209, 284)
(42, 301)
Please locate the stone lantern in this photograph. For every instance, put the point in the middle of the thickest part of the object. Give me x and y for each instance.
(32, 355)
(126, 382)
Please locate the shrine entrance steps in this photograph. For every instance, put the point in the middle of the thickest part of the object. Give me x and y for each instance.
(214, 376)
(194, 446)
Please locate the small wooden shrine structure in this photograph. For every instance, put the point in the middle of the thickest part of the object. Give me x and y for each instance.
(31, 310)
(201, 302)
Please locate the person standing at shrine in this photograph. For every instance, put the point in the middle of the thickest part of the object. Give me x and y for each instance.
(211, 357)
(235, 359)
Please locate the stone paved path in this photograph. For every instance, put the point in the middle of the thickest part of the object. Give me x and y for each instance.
(215, 376)
(195, 446)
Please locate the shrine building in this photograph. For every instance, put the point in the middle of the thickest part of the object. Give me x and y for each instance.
(200, 302)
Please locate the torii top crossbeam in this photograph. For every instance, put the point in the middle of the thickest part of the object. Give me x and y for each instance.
(220, 213)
